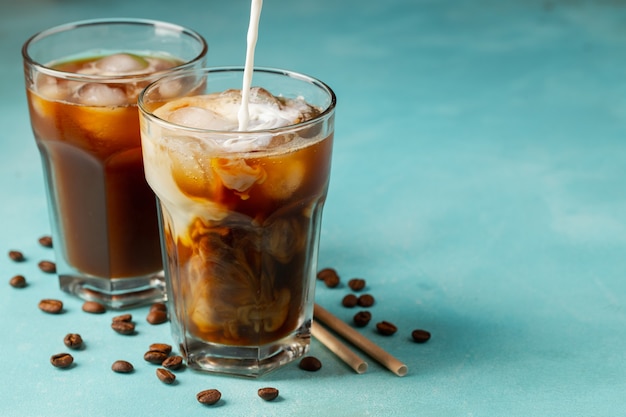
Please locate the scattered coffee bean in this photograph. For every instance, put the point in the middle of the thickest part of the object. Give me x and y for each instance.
(385, 328)
(158, 307)
(73, 341)
(209, 396)
(47, 267)
(93, 307)
(165, 376)
(173, 362)
(155, 356)
(157, 317)
(420, 336)
(329, 276)
(122, 367)
(123, 327)
(62, 360)
(18, 281)
(268, 393)
(46, 241)
(365, 300)
(310, 363)
(349, 300)
(16, 256)
(323, 273)
(362, 318)
(51, 306)
(356, 284)
(161, 347)
(123, 318)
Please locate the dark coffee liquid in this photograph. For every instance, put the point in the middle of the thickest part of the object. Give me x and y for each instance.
(105, 211)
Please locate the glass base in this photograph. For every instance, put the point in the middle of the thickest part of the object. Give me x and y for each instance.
(116, 293)
(245, 361)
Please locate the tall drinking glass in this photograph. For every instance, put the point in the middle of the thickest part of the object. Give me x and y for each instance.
(82, 83)
(240, 211)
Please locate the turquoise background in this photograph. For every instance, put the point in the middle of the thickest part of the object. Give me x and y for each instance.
(477, 185)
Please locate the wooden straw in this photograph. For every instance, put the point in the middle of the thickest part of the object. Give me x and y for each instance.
(360, 341)
(338, 348)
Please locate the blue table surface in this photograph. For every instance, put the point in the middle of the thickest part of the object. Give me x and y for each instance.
(477, 185)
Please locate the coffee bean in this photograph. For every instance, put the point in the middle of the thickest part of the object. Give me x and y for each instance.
(173, 362)
(420, 336)
(365, 300)
(73, 341)
(209, 396)
(165, 376)
(122, 367)
(16, 256)
(123, 318)
(155, 356)
(51, 306)
(385, 328)
(62, 360)
(158, 307)
(46, 241)
(93, 307)
(310, 363)
(18, 281)
(323, 273)
(123, 327)
(329, 276)
(47, 267)
(362, 318)
(161, 347)
(156, 317)
(356, 284)
(349, 300)
(268, 393)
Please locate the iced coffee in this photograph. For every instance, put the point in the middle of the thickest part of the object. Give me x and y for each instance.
(83, 81)
(240, 211)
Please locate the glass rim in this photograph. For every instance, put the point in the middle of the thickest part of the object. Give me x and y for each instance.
(324, 114)
(66, 27)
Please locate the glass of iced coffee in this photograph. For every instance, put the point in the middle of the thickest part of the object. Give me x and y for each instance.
(82, 82)
(240, 210)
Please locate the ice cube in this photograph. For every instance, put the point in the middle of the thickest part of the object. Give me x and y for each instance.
(200, 118)
(118, 64)
(94, 94)
(237, 175)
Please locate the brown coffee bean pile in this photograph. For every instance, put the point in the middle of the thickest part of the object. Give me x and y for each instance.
(93, 307)
(363, 318)
(18, 281)
(268, 393)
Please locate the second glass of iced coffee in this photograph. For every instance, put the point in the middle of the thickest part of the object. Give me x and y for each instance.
(82, 83)
(240, 210)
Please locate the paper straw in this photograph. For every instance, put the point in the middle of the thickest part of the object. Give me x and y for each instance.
(360, 341)
(338, 348)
